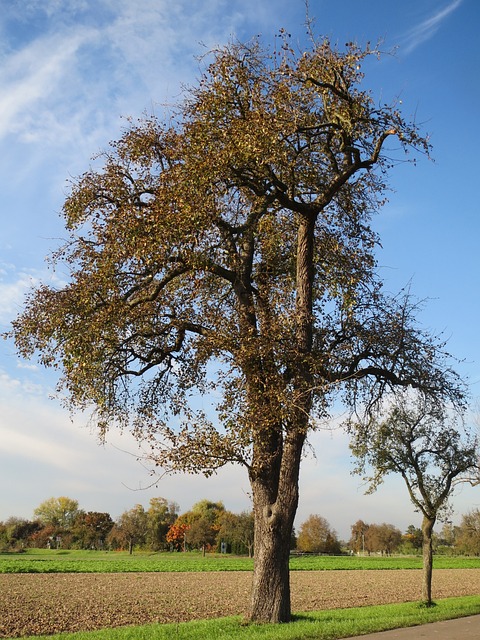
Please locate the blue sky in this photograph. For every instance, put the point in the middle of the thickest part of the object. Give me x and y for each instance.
(71, 70)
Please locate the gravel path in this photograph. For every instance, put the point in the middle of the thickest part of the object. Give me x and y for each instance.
(52, 603)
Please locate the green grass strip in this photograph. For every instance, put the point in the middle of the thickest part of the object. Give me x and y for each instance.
(37, 561)
(319, 625)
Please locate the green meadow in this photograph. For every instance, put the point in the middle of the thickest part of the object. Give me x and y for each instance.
(58, 561)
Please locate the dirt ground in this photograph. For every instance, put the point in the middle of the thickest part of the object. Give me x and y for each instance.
(52, 603)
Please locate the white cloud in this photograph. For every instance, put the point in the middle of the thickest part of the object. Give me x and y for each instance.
(34, 448)
(21, 389)
(11, 295)
(33, 74)
(75, 70)
(79, 67)
(428, 27)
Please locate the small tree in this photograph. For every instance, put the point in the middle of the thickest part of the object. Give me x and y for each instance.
(202, 533)
(358, 534)
(91, 529)
(17, 532)
(384, 538)
(46, 536)
(419, 440)
(238, 531)
(413, 538)
(131, 526)
(317, 536)
(468, 533)
(448, 534)
(199, 526)
(177, 535)
(204, 520)
(161, 515)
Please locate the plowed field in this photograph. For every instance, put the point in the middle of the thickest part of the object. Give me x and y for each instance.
(51, 603)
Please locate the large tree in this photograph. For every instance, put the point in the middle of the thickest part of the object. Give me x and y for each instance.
(429, 447)
(317, 536)
(229, 247)
(131, 527)
(161, 515)
(59, 512)
(468, 533)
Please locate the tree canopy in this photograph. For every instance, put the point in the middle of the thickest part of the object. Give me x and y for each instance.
(427, 445)
(161, 515)
(59, 512)
(468, 533)
(131, 527)
(228, 248)
(317, 536)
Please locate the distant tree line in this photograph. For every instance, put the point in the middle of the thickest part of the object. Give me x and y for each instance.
(208, 526)
(60, 523)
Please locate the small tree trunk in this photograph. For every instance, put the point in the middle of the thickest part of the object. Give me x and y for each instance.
(427, 530)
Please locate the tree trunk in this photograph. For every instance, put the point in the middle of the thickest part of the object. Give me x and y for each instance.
(277, 448)
(271, 578)
(275, 505)
(427, 530)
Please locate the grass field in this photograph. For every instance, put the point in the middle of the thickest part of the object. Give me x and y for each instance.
(58, 561)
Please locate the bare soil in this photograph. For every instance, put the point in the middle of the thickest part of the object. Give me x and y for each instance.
(32, 604)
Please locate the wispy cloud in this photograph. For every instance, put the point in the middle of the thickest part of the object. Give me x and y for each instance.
(36, 448)
(34, 74)
(69, 75)
(426, 29)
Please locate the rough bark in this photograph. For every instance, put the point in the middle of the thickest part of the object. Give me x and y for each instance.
(427, 530)
(271, 582)
(275, 505)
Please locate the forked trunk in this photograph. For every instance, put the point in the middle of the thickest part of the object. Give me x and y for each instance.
(276, 461)
(427, 530)
(271, 578)
(275, 506)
